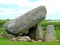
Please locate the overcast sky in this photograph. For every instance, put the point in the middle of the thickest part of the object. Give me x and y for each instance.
(10, 9)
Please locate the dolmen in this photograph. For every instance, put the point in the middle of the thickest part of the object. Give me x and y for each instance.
(27, 23)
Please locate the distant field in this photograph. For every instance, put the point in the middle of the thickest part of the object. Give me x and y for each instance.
(55, 23)
(4, 41)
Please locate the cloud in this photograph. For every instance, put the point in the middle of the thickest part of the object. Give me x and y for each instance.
(54, 16)
(4, 11)
(19, 7)
(8, 1)
(8, 6)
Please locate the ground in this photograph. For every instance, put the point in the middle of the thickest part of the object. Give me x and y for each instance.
(4, 41)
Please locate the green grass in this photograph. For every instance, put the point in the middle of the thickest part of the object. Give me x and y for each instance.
(2, 31)
(4, 41)
(8, 42)
(46, 23)
(58, 34)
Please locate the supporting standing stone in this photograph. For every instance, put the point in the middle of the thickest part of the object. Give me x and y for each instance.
(39, 33)
(36, 33)
(50, 33)
(26, 21)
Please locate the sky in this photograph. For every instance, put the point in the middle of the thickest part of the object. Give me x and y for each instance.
(10, 9)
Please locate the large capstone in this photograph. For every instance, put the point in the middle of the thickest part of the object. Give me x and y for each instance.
(50, 33)
(26, 21)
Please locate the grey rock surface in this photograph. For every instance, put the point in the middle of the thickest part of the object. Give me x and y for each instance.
(39, 33)
(36, 33)
(50, 33)
(8, 36)
(23, 23)
(23, 38)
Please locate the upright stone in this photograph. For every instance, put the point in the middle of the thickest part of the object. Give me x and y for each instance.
(36, 33)
(50, 33)
(26, 21)
(39, 33)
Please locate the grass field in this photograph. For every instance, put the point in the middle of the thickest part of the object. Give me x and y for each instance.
(4, 41)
